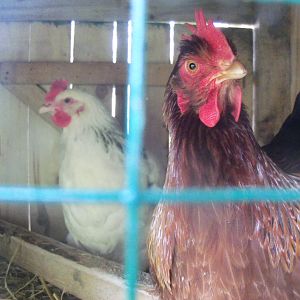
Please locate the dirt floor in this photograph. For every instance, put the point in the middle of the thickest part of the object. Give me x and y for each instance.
(17, 283)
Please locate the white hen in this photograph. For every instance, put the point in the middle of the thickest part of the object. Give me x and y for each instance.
(93, 157)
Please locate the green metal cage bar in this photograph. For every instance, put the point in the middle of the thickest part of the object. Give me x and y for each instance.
(137, 79)
(83, 196)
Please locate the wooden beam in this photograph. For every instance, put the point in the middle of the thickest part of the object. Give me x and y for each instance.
(33, 96)
(108, 11)
(231, 11)
(84, 275)
(78, 73)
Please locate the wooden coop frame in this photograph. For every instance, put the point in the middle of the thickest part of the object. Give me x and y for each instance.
(81, 277)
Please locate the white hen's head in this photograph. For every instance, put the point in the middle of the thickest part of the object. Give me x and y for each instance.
(66, 105)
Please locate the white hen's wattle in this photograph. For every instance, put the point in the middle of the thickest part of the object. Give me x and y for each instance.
(93, 157)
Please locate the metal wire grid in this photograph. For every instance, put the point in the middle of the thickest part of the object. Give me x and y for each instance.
(132, 197)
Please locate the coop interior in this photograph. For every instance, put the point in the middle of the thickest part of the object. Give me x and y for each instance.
(88, 43)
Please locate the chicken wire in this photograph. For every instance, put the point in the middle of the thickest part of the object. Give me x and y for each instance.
(132, 197)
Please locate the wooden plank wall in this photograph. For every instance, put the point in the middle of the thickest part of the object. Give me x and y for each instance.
(155, 132)
(29, 146)
(93, 42)
(14, 152)
(14, 122)
(295, 52)
(273, 76)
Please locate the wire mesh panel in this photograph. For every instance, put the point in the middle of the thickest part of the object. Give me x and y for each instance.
(132, 196)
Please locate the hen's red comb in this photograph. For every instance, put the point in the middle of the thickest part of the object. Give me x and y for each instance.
(215, 37)
(57, 87)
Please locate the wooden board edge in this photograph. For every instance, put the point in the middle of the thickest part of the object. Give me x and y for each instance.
(87, 73)
(77, 272)
(32, 96)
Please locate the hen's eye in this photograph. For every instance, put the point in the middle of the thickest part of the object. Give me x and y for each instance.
(191, 66)
(67, 100)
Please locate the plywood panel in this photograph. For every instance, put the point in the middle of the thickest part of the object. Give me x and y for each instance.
(41, 137)
(13, 153)
(33, 96)
(155, 135)
(93, 43)
(44, 145)
(50, 41)
(27, 158)
(13, 122)
(14, 44)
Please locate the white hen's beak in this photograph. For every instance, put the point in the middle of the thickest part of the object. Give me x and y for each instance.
(47, 109)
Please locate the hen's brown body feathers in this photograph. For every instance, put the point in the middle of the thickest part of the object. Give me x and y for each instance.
(220, 251)
(223, 251)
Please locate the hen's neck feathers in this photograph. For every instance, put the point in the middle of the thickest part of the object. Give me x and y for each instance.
(94, 122)
(226, 155)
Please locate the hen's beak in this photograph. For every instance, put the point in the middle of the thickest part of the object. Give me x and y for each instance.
(46, 109)
(235, 71)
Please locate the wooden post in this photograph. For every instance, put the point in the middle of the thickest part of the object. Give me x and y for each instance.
(273, 65)
(295, 52)
(155, 135)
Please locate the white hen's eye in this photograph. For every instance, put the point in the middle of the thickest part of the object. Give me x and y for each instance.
(67, 100)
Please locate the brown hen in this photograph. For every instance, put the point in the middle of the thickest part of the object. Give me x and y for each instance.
(219, 251)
